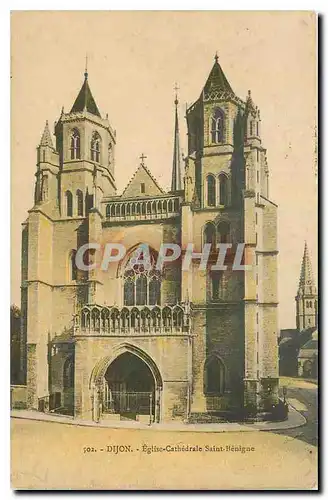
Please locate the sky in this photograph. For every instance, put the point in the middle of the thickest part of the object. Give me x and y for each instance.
(134, 60)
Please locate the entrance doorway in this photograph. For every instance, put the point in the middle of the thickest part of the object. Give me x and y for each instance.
(129, 388)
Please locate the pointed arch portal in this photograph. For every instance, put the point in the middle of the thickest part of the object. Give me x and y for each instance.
(128, 384)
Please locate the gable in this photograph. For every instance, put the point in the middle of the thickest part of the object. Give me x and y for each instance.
(142, 184)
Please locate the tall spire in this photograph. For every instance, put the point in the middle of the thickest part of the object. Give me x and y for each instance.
(46, 137)
(306, 283)
(176, 184)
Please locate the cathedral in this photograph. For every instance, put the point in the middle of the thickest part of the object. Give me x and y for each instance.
(139, 343)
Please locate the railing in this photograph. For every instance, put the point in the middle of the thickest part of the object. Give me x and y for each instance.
(124, 402)
(50, 403)
(216, 402)
(135, 320)
(159, 208)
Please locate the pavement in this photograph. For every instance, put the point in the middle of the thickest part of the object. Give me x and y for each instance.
(295, 419)
(304, 396)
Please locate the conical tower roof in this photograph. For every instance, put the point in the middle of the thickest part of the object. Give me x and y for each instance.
(217, 80)
(46, 139)
(306, 284)
(85, 100)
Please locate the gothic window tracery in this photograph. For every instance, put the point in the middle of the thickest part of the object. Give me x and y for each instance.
(95, 147)
(142, 286)
(216, 125)
(211, 191)
(75, 145)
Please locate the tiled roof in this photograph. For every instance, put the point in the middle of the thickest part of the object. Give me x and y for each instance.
(85, 99)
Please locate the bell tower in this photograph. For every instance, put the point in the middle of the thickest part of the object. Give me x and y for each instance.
(306, 298)
(86, 145)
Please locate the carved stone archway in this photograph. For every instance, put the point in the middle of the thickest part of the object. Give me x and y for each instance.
(100, 369)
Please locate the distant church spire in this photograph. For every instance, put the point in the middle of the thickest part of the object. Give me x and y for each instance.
(46, 137)
(306, 283)
(176, 184)
(306, 298)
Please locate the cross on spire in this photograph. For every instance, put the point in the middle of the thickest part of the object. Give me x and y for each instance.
(142, 158)
(216, 57)
(176, 88)
(86, 66)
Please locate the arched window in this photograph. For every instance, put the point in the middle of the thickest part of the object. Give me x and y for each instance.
(68, 373)
(44, 188)
(216, 123)
(73, 266)
(79, 199)
(141, 290)
(219, 285)
(211, 191)
(223, 232)
(88, 202)
(223, 191)
(214, 376)
(95, 147)
(69, 204)
(154, 291)
(142, 286)
(75, 145)
(210, 235)
(129, 299)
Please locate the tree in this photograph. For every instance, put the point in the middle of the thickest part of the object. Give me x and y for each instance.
(15, 325)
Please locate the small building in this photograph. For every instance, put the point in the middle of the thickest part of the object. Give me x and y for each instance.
(308, 358)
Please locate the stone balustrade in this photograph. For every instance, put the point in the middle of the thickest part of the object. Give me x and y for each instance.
(145, 209)
(135, 320)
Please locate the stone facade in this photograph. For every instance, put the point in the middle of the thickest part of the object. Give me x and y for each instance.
(98, 342)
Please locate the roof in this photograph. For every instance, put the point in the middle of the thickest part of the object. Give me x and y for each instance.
(311, 344)
(142, 176)
(85, 100)
(306, 283)
(46, 137)
(288, 333)
(217, 79)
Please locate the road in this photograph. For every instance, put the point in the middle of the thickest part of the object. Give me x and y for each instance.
(303, 396)
(47, 455)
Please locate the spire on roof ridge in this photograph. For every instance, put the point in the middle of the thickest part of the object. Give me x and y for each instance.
(46, 139)
(176, 182)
